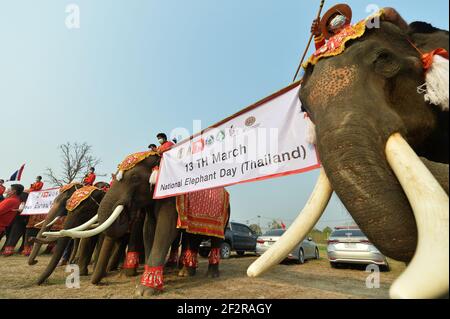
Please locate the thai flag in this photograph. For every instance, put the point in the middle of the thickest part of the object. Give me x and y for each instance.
(17, 175)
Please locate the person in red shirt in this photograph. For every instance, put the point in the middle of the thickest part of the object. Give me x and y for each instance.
(36, 186)
(2, 189)
(165, 144)
(332, 22)
(89, 179)
(9, 207)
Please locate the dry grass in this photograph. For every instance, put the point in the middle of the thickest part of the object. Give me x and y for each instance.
(314, 279)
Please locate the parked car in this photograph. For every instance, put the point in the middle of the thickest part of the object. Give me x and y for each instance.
(350, 245)
(238, 237)
(307, 249)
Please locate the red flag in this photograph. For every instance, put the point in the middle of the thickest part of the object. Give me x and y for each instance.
(283, 226)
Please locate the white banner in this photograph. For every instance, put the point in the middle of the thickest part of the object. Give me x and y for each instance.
(40, 202)
(265, 140)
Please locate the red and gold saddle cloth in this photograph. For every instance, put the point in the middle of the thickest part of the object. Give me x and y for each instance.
(132, 160)
(69, 186)
(79, 196)
(204, 212)
(336, 44)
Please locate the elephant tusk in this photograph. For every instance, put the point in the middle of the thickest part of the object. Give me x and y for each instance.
(92, 232)
(303, 224)
(52, 234)
(427, 275)
(86, 225)
(153, 177)
(53, 221)
(39, 224)
(119, 176)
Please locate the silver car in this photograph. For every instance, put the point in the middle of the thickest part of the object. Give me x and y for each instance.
(307, 249)
(350, 245)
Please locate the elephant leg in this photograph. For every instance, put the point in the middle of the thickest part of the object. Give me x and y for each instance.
(73, 259)
(172, 261)
(98, 247)
(86, 249)
(214, 258)
(152, 281)
(184, 246)
(36, 247)
(59, 250)
(135, 246)
(190, 256)
(15, 232)
(103, 258)
(149, 233)
(118, 253)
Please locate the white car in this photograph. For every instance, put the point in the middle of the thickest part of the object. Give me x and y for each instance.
(307, 249)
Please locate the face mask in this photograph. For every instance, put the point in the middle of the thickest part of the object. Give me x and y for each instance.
(337, 22)
(161, 141)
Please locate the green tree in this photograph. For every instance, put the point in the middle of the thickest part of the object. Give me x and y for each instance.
(327, 232)
(274, 224)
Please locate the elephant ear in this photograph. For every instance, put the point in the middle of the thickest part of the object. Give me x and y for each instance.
(433, 44)
(427, 37)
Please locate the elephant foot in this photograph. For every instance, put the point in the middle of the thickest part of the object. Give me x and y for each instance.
(187, 272)
(84, 272)
(144, 291)
(8, 251)
(213, 271)
(171, 266)
(32, 262)
(152, 282)
(130, 272)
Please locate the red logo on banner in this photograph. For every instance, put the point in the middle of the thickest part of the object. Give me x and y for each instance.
(198, 146)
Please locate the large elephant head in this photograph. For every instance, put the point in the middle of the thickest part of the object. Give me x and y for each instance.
(357, 100)
(130, 192)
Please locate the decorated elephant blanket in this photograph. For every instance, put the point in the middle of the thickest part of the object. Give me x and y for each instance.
(336, 44)
(79, 196)
(204, 212)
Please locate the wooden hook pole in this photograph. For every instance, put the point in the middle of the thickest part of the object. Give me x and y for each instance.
(322, 2)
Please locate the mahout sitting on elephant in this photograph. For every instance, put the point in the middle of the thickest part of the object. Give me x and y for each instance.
(365, 96)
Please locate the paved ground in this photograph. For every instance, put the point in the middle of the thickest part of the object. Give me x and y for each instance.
(314, 279)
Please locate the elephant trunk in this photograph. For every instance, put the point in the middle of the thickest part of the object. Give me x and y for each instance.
(59, 250)
(355, 163)
(103, 259)
(36, 248)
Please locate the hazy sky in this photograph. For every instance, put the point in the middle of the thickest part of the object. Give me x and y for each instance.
(135, 68)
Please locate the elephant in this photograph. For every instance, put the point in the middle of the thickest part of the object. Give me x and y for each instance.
(362, 101)
(57, 210)
(129, 195)
(83, 203)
